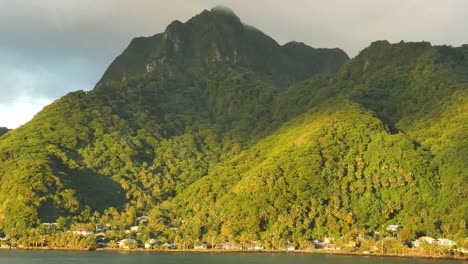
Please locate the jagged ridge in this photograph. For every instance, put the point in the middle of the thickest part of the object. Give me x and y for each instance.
(218, 36)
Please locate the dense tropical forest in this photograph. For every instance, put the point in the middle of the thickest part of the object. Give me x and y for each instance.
(214, 131)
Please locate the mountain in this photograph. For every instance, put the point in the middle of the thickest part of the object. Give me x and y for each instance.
(381, 142)
(214, 128)
(92, 150)
(219, 37)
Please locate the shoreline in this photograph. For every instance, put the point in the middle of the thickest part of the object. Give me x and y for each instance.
(410, 255)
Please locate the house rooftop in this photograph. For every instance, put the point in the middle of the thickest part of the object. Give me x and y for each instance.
(445, 240)
(393, 227)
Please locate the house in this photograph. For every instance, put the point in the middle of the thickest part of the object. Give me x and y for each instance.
(446, 242)
(151, 242)
(428, 239)
(254, 245)
(415, 243)
(393, 228)
(324, 244)
(83, 232)
(331, 247)
(102, 244)
(143, 219)
(424, 239)
(351, 244)
(100, 232)
(149, 67)
(126, 243)
(227, 245)
(49, 225)
(170, 245)
(316, 243)
(290, 248)
(203, 246)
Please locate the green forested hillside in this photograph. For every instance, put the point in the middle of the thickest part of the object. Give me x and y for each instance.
(346, 165)
(214, 129)
(330, 171)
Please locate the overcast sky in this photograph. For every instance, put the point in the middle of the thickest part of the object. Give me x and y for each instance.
(51, 47)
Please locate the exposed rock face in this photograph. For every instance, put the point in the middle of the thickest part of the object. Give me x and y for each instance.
(218, 36)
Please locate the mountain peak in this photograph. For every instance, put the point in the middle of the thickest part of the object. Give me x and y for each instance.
(174, 24)
(223, 10)
(382, 53)
(219, 36)
(217, 15)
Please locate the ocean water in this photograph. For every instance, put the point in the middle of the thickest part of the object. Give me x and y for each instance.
(102, 257)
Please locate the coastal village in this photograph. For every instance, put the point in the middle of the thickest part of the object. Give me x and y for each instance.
(133, 239)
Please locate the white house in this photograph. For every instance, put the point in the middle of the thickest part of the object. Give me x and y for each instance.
(428, 239)
(83, 232)
(254, 245)
(446, 242)
(290, 248)
(151, 242)
(49, 225)
(170, 245)
(125, 243)
(415, 243)
(393, 228)
(143, 219)
(203, 246)
(424, 239)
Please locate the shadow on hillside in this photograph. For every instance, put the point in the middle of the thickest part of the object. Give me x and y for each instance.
(96, 190)
(92, 189)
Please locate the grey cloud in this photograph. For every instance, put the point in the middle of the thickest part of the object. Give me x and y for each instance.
(56, 46)
(22, 78)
